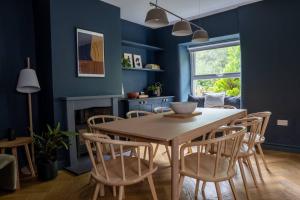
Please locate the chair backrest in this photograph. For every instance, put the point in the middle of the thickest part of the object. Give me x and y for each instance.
(99, 119)
(101, 141)
(233, 135)
(252, 125)
(265, 121)
(137, 113)
(224, 107)
(161, 109)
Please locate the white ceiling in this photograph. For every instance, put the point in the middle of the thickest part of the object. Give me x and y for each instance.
(135, 10)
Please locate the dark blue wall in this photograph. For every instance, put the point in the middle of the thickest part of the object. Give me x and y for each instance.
(16, 43)
(270, 48)
(134, 81)
(92, 15)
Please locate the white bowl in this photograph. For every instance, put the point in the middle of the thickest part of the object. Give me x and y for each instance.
(184, 107)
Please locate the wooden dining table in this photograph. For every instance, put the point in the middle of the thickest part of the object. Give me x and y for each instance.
(172, 131)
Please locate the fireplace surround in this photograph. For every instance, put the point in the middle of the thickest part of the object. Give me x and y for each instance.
(81, 164)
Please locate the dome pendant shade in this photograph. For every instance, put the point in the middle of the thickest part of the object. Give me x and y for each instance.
(200, 36)
(182, 28)
(28, 82)
(156, 17)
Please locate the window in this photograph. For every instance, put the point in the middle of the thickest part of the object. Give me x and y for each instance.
(216, 68)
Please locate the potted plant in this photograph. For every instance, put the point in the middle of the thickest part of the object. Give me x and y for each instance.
(154, 89)
(47, 144)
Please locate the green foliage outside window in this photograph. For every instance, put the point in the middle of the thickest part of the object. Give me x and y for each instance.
(218, 61)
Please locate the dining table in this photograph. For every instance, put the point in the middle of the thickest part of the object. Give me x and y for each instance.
(162, 129)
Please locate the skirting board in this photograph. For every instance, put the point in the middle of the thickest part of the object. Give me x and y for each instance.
(281, 147)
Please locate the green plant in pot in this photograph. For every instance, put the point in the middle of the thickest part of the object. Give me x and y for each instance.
(155, 89)
(47, 144)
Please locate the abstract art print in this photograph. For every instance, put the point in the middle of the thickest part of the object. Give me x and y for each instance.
(90, 54)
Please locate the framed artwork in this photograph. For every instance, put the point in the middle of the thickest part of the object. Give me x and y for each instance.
(137, 61)
(128, 56)
(90, 54)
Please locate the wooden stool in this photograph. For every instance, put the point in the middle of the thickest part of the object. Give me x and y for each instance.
(13, 145)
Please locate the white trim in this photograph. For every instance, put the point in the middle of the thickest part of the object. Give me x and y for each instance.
(215, 46)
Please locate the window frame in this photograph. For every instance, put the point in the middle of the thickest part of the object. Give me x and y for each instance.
(217, 45)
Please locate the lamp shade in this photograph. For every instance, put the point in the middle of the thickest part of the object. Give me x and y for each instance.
(156, 17)
(182, 28)
(28, 82)
(200, 36)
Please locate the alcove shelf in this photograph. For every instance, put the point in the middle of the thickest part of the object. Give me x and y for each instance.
(140, 45)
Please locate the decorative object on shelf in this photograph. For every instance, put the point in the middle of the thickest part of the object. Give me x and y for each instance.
(47, 145)
(128, 58)
(183, 107)
(132, 95)
(90, 54)
(157, 17)
(126, 63)
(143, 96)
(152, 66)
(154, 89)
(137, 61)
(28, 83)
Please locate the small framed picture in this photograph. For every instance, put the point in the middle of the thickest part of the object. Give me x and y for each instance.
(137, 61)
(128, 57)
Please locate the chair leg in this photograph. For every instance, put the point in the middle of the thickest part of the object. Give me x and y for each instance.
(145, 152)
(203, 188)
(102, 191)
(96, 192)
(262, 156)
(168, 153)
(233, 189)
(152, 187)
(114, 191)
(252, 171)
(155, 150)
(243, 177)
(258, 166)
(218, 189)
(121, 191)
(197, 188)
(181, 179)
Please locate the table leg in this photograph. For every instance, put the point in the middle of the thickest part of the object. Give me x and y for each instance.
(15, 153)
(175, 170)
(29, 160)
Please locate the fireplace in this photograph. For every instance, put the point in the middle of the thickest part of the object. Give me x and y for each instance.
(81, 117)
(78, 109)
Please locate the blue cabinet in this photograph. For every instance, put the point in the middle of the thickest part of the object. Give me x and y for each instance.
(146, 104)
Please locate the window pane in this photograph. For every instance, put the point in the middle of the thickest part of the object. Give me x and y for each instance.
(231, 86)
(218, 61)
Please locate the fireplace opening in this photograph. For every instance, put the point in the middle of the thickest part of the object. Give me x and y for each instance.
(81, 117)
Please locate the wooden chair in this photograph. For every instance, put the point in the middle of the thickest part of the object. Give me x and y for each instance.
(161, 109)
(119, 171)
(212, 166)
(139, 113)
(260, 137)
(252, 125)
(224, 107)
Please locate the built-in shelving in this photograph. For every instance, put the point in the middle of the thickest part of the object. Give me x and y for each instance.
(143, 69)
(140, 45)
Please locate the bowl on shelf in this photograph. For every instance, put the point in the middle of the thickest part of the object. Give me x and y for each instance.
(133, 95)
(183, 107)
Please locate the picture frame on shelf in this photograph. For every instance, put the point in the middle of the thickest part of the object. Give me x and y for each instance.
(128, 57)
(90, 53)
(137, 61)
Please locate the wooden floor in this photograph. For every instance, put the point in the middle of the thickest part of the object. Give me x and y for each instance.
(283, 183)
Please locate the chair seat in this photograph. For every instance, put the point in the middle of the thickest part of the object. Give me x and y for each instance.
(258, 138)
(226, 150)
(131, 171)
(206, 168)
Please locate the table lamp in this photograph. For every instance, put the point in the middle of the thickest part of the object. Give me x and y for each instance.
(28, 83)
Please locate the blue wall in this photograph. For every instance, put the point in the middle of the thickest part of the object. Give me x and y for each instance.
(16, 43)
(270, 47)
